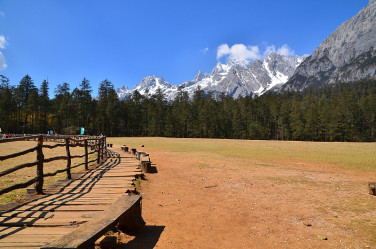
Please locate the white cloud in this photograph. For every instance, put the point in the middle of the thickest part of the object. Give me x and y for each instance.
(238, 51)
(204, 51)
(284, 50)
(241, 51)
(3, 64)
(3, 42)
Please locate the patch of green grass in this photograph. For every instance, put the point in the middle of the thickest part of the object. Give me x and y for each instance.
(356, 204)
(364, 227)
(351, 156)
(137, 184)
(109, 233)
(204, 165)
(264, 165)
(290, 180)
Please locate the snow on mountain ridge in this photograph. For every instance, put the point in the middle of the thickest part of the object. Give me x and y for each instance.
(235, 78)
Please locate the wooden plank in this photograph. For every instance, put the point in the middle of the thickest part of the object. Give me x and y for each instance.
(48, 215)
(76, 203)
(22, 245)
(106, 181)
(34, 230)
(35, 222)
(56, 208)
(133, 174)
(93, 191)
(34, 238)
(89, 232)
(107, 186)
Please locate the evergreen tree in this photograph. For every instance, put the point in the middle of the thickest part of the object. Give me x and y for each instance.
(7, 105)
(44, 106)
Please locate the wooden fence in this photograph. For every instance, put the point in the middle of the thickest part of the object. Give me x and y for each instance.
(97, 145)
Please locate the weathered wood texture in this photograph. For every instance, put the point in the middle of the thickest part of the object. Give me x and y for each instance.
(88, 233)
(372, 188)
(146, 166)
(80, 206)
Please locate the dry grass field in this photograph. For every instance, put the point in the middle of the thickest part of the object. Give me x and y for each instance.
(26, 174)
(213, 193)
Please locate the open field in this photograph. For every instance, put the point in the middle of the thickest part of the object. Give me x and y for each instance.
(26, 174)
(212, 193)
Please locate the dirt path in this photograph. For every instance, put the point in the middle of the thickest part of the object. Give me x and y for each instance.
(190, 203)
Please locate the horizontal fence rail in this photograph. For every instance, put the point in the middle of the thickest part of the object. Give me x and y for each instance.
(96, 144)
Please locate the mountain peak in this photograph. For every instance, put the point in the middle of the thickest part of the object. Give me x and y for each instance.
(347, 55)
(219, 68)
(152, 80)
(123, 88)
(199, 76)
(239, 63)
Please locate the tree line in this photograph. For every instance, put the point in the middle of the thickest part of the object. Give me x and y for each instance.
(339, 112)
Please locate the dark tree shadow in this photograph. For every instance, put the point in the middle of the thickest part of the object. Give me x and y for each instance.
(145, 239)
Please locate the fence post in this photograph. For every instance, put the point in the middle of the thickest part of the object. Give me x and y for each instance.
(99, 151)
(69, 162)
(86, 156)
(40, 159)
(103, 147)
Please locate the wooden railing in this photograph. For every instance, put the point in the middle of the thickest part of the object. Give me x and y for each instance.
(97, 145)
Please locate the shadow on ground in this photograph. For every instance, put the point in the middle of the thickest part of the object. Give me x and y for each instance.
(154, 169)
(146, 239)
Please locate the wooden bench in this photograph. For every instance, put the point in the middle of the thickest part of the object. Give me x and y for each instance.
(372, 188)
(139, 154)
(145, 163)
(124, 214)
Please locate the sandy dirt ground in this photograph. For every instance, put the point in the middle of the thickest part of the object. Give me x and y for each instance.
(195, 202)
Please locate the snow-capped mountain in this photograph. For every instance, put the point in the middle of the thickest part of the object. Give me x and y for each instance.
(148, 85)
(235, 78)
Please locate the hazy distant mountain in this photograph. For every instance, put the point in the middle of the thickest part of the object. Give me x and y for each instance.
(348, 54)
(236, 78)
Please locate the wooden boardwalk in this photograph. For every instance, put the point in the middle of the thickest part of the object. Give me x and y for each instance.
(65, 207)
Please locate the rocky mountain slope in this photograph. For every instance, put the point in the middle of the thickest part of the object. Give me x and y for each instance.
(236, 78)
(348, 54)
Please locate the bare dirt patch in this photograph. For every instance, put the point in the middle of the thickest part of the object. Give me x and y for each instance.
(214, 199)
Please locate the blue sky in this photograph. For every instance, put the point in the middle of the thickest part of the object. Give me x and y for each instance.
(125, 41)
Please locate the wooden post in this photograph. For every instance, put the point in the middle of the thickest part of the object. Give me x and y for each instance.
(103, 146)
(69, 162)
(99, 151)
(372, 188)
(40, 159)
(132, 222)
(86, 156)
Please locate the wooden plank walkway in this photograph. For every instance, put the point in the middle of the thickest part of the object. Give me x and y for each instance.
(64, 208)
